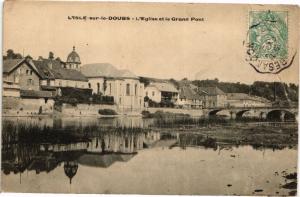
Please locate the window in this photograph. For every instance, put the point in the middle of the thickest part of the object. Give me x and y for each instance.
(153, 93)
(135, 89)
(30, 82)
(146, 93)
(98, 88)
(31, 72)
(127, 89)
(27, 72)
(89, 85)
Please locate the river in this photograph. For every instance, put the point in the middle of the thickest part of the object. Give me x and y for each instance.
(126, 156)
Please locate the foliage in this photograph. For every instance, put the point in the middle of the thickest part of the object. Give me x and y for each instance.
(145, 81)
(107, 112)
(263, 89)
(75, 95)
(10, 54)
(100, 99)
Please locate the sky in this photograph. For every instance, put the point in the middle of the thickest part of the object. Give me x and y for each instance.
(207, 49)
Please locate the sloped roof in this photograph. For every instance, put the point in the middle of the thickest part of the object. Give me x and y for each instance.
(212, 91)
(164, 87)
(243, 96)
(68, 74)
(97, 160)
(105, 70)
(10, 64)
(43, 69)
(57, 71)
(125, 157)
(188, 93)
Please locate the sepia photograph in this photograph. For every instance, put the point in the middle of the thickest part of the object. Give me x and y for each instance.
(150, 98)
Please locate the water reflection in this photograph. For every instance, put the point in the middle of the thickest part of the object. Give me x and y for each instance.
(35, 145)
(72, 150)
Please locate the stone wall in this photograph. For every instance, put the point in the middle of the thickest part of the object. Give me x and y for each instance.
(26, 106)
(84, 109)
(191, 112)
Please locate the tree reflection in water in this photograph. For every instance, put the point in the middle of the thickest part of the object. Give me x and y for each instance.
(42, 148)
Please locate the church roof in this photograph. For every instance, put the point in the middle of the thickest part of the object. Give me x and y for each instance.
(73, 57)
(105, 70)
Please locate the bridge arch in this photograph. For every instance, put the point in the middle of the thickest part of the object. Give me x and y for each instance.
(239, 114)
(214, 112)
(281, 115)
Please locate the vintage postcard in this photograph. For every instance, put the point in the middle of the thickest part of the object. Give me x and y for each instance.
(150, 98)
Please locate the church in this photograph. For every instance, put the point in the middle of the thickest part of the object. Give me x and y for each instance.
(123, 85)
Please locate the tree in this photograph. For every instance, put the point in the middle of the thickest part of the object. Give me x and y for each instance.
(29, 57)
(18, 56)
(10, 54)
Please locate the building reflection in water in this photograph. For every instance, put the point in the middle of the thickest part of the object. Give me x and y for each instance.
(22, 149)
(42, 145)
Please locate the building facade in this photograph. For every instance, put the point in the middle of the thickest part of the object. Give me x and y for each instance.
(188, 98)
(244, 100)
(21, 72)
(161, 92)
(122, 85)
(212, 97)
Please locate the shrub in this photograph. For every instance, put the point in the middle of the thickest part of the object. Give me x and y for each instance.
(107, 112)
(146, 114)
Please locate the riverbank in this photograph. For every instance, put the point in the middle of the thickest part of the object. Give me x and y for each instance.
(256, 136)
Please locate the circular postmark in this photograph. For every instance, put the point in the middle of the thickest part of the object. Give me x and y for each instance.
(267, 41)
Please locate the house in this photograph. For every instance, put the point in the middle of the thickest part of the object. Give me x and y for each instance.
(57, 73)
(245, 100)
(189, 98)
(21, 76)
(161, 92)
(22, 73)
(122, 85)
(22, 94)
(212, 97)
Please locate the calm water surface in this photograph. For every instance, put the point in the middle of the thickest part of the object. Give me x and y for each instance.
(133, 161)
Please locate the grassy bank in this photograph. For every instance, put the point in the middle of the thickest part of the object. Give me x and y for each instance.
(258, 136)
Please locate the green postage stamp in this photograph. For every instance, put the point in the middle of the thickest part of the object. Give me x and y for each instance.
(267, 46)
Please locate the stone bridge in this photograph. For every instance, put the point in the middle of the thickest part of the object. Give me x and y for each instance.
(270, 113)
